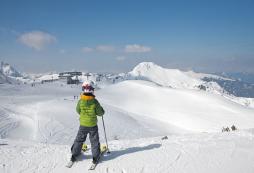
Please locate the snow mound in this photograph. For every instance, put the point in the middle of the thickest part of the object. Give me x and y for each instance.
(186, 109)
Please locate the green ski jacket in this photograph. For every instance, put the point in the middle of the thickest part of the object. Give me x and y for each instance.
(89, 108)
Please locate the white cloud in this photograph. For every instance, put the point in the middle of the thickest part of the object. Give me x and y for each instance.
(135, 48)
(87, 49)
(36, 39)
(120, 58)
(105, 48)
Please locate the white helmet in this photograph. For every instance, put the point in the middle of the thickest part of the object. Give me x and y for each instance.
(88, 87)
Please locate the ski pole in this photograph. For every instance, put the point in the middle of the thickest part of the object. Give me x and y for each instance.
(105, 134)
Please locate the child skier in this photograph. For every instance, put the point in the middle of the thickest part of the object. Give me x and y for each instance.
(88, 108)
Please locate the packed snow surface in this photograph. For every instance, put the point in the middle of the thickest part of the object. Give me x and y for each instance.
(193, 153)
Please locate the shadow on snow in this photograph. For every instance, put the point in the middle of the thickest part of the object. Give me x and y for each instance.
(114, 154)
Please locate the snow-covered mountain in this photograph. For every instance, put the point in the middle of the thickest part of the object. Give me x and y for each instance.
(8, 70)
(177, 79)
(8, 74)
(149, 71)
(235, 87)
(2, 78)
(173, 78)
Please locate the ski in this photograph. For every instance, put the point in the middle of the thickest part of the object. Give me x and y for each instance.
(70, 163)
(93, 165)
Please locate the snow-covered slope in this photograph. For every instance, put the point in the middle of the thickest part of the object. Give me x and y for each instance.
(46, 113)
(138, 115)
(200, 153)
(38, 125)
(248, 102)
(52, 76)
(187, 109)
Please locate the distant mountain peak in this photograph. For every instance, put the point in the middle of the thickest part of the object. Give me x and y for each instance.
(9, 70)
(146, 66)
(166, 77)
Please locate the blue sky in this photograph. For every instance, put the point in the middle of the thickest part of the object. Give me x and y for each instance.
(114, 36)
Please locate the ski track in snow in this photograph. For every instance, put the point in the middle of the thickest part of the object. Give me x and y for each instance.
(7, 121)
(35, 121)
